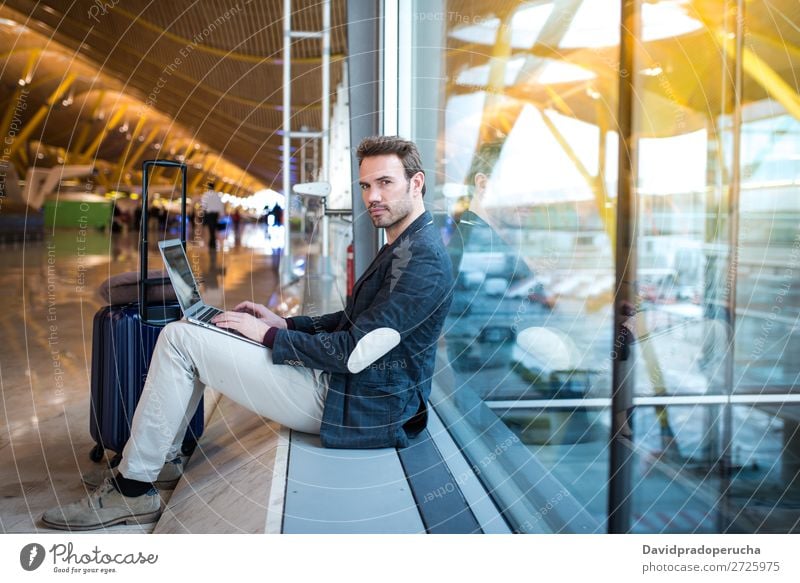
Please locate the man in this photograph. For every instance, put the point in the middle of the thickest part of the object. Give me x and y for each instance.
(213, 208)
(481, 323)
(360, 378)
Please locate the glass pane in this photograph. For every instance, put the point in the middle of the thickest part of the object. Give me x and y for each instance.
(707, 229)
(768, 274)
(675, 486)
(571, 443)
(764, 491)
(768, 278)
(524, 185)
(682, 121)
(681, 489)
(518, 115)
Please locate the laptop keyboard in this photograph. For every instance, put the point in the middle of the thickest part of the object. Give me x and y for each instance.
(207, 314)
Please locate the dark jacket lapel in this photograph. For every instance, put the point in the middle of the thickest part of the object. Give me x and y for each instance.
(386, 252)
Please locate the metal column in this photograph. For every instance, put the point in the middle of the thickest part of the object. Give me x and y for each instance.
(365, 50)
(620, 501)
(726, 515)
(323, 134)
(326, 126)
(286, 259)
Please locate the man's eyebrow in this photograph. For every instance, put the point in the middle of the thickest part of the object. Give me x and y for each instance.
(384, 177)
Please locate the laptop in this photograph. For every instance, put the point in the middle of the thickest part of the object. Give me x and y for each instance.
(180, 274)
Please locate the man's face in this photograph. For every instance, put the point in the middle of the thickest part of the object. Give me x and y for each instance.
(388, 195)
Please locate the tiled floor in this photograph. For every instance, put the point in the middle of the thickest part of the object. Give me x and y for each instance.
(47, 298)
(227, 484)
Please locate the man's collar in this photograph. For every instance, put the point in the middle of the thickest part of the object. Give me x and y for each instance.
(420, 222)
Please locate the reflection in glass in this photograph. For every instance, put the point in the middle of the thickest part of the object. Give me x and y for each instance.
(525, 184)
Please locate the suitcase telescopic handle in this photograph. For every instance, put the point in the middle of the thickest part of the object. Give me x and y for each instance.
(144, 282)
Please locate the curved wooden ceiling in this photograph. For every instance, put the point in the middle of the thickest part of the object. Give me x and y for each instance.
(206, 77)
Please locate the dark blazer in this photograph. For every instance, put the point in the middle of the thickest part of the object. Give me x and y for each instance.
(408, 288)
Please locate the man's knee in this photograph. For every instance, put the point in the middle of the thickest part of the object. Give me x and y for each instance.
(173, 334)
(184, 336)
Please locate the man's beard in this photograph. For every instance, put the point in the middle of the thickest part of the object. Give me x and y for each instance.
(393, 214)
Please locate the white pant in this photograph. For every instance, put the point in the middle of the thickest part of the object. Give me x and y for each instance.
(188, 357)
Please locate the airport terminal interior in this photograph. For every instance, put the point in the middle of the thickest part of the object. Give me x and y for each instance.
(617, 183)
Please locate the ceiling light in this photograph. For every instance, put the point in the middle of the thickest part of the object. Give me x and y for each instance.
(653, 71)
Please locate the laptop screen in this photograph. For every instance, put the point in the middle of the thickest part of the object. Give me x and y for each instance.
(180, 274)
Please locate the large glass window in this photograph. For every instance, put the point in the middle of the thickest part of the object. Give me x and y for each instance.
(515, 105)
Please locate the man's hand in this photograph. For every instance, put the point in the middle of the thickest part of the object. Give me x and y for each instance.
(263, 313)
(244, 324)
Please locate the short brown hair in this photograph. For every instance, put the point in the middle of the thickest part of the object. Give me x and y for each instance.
(406, 150)
(484, 160)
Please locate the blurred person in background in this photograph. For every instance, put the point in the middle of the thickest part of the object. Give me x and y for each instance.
(213, 209)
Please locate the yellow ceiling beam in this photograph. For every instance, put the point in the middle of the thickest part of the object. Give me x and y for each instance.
(134, 136)
(220, 95)
(208, 163)
(758, 69)
(76, 148)
(94, 147)
(131, 160)
(598, 189)
(496, 83)
(15, 103)
(765, 76)
(38, 83)
(778, 43)
(39, 116)
(87, 131)
(160, 170)
(17, 51)
(23, 156)
(559, 102)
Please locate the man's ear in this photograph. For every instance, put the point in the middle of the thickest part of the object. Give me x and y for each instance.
(417, 182)
(480, 181)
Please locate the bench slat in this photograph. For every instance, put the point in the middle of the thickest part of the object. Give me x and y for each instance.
(346, 491)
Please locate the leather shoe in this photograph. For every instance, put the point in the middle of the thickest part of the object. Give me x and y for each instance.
(105, 506)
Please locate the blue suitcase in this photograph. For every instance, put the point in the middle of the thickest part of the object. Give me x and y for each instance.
(123, 339)
(122, 346)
